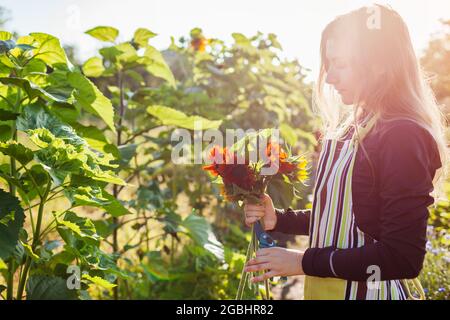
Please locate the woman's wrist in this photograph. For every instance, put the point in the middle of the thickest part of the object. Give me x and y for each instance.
(277, 212)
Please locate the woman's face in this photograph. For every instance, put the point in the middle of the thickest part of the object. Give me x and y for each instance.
(340, 74)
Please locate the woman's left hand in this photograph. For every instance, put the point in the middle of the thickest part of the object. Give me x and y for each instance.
(277, 261)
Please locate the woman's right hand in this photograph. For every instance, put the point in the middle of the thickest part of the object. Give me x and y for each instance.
(264, 211)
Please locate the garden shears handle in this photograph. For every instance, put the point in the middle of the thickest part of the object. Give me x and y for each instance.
(265, 240)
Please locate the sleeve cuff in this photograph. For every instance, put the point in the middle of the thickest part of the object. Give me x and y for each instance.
(316, 262)
(280, 214)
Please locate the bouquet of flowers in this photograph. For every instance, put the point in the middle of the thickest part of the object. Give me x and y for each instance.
(244, 178)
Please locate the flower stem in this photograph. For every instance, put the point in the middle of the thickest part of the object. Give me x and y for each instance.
(244, 274)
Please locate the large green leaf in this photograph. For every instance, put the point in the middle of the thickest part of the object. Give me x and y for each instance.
(11, 221)
(169, 116)
(63, 159)
(45, 287)
(17, 151)
(82, 228)
(94, 137)
(90, 98)
(33, 90)
(157, 66)
(49, 50)
(92, 195)
(104, 33)
(35, 117)
(142, 35)
(201, 232)
(62, 151)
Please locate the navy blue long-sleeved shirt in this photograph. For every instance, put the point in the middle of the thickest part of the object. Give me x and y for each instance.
(405, 158)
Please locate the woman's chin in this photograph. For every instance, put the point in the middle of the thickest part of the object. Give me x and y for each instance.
(346, 100)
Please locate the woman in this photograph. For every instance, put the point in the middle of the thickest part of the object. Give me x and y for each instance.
(383, 153)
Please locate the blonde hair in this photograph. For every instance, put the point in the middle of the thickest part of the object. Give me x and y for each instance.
(393, 85)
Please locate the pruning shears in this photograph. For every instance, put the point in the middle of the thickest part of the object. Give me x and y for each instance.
(265, 240)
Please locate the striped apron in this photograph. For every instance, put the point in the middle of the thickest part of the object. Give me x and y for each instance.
(332, 223)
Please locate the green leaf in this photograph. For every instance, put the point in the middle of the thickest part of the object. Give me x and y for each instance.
(169, 116)
(157, 66)
(59, 86)
(62, 151)
(104, 33)
(29, 251)
(93, 67)
(273, 39)
(90, 98)
(281, 193)
(104, 227)
(241, 40)
(201, 232)
(5, 35)
(32, 89)
(17, 151)
(172, 221)
(66, 112)
(142, 35)
(6, 46)
(11, 221)
(35, 66)
(84, 191)
(36, 117)
(36, 175)
(128, 53)
(5, 132)
(93, 136)
(81, 228)
(99, 281)
(127, 152)
(49, 50)
(45, 287)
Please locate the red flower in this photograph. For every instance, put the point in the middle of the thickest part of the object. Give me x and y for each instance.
(278, 157)
(224, 164)
(219, 157)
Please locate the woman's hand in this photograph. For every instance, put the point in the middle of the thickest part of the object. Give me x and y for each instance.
(266, 211)
(277, 261)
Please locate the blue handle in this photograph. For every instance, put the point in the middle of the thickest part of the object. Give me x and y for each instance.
(265, 241)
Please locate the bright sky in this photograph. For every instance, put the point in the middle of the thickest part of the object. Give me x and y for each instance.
(298, 23)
